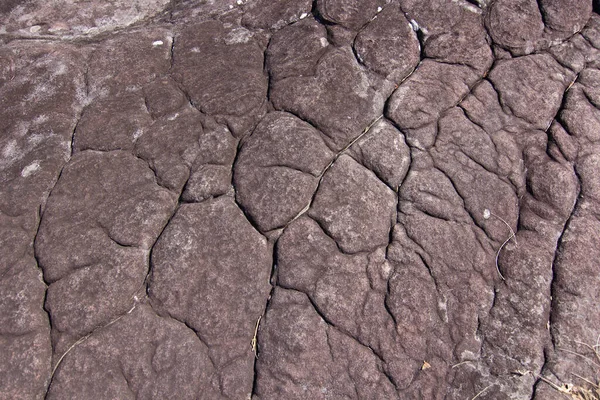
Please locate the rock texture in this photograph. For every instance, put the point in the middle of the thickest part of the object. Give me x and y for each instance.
(338, 199)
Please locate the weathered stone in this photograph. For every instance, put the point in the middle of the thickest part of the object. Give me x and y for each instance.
(339, 99)
(515, 24)
(354, 207)
(231, 81)
(463, 43)
(278, 169)
(57, 18)
(433, 88)
(268, 14)
(424, 173)
(531, 87)
(163, 98)
(437, 16)
(206, 181)
(112, 123)
(39, 111)
(388, 45)
(171, 146)
(523, 26)
(25, 346)
(210, 270)
(129, 61)
(296, 49)
(101, 220)
(139, 356)
(383, 151)
(352, 14)
(304, 357)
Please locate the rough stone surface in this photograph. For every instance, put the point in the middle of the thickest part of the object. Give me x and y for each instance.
(267, 14)
(210, 271)
(351, 14)
(108, 210)
(354, 207)
(72, 19)
(331, 199)
(389, 45)
(341, 105)
(278, 169)
(222, 70)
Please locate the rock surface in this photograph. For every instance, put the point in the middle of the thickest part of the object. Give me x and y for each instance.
(251, 199)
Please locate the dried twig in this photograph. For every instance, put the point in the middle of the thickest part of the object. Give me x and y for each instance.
(486, 215)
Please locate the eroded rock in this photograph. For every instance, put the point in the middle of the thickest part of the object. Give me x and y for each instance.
(100, 222)
(278, 169)
(210, 270)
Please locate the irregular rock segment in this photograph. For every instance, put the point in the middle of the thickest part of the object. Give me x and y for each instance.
(338, 99)
(163, 98)
(296, 49)
(57, 18)
(573, 321)
(524, 26)
(457, 57)
(25, 346)
(304, 357)
(419, 102)
(278, 169)
(352, 14)
(531, 87)
(401, 279)
(483, 169)
(112, 123)
(170, 147)
(383, 151)
(210, 270)
(210, 174)
(102, 218)
(388, 45)
(128, 61)
(139, 356)
(232, 83)
(40, 87)
(266, 14)
(354, 207)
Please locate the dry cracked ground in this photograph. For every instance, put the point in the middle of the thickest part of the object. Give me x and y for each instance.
(338, 199)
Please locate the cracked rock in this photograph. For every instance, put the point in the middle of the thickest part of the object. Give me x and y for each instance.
(210, 271)
(354, 207)
(278, 169)
(94, 241)
(295, 199)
